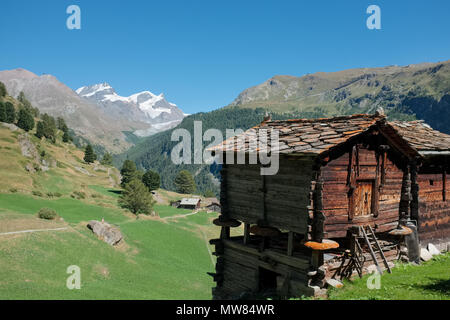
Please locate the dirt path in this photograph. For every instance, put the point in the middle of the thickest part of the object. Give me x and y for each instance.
(180, 216)
(29, 231)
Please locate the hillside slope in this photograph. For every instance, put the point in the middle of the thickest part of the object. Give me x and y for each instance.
(421, 90)
(160, 258)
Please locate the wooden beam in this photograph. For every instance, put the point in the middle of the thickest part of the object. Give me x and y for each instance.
(225, 233)
(294, 261)
(376, 192)
(444, 182)
(290, 247)
(246, 233)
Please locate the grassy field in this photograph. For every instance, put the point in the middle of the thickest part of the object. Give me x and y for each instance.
(158, 260)
(165, 257)
(428, 281)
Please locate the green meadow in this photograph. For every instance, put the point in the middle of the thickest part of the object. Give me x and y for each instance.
(427, 281)
(158, 259)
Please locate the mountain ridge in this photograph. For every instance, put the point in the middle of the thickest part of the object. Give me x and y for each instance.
(407, 90)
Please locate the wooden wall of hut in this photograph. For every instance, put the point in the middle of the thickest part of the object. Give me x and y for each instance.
(434, 206)
(337, 200)
(240, 270)
(280, 200)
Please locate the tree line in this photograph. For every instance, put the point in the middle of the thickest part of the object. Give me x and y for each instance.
(138, 185)
(46, 127)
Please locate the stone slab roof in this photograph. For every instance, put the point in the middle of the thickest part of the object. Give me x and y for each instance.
(303, 136)
(422, 137)
(315, 136)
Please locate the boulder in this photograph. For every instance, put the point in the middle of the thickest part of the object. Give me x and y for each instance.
(433, 250)
(105, 232)
(334, 283)
(425, 255)
(10, 126)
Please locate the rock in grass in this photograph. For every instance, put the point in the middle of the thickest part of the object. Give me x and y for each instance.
(425, 255)
(433, 250)
(104, 231)
(334, 283)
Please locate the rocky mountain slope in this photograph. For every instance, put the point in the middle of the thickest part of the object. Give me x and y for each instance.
(96, 113)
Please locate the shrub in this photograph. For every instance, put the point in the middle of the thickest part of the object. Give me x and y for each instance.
(46, 213)
(13, 190)
(78, 195)
(60, 165)
(54, 194)
(37, 193)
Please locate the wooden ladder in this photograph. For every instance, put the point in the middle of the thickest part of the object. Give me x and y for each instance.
(371, 240)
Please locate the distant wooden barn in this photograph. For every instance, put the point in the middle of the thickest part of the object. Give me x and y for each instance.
(190, 203)
(350, 192)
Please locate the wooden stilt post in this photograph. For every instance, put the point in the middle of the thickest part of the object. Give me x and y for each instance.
(246, 233)
(290, 247)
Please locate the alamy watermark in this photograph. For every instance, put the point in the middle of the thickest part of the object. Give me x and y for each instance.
(374, 281)
(74, 20)
(74, 280)
(374, 20)
(257, 146)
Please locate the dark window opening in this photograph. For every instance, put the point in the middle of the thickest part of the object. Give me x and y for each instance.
(431, 182)
(267, 281)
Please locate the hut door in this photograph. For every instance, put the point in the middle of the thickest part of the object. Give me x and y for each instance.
(363, 198)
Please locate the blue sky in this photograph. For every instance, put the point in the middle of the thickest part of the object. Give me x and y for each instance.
(202, 54)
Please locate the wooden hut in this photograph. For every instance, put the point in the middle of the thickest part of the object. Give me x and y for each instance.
(342, 182)
(190, 203)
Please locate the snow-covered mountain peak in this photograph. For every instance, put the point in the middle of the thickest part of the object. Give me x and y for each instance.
(89, 91)
(145, 106)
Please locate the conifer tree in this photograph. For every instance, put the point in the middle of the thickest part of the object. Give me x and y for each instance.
(89, 154)
(128, 172)
(136, 198)
(3, 91)
(66, 137)
(185, 182)
(25, 120)
(2, 112)
(151, 180)
(40, 129)
(10, 112)
(107, 159)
